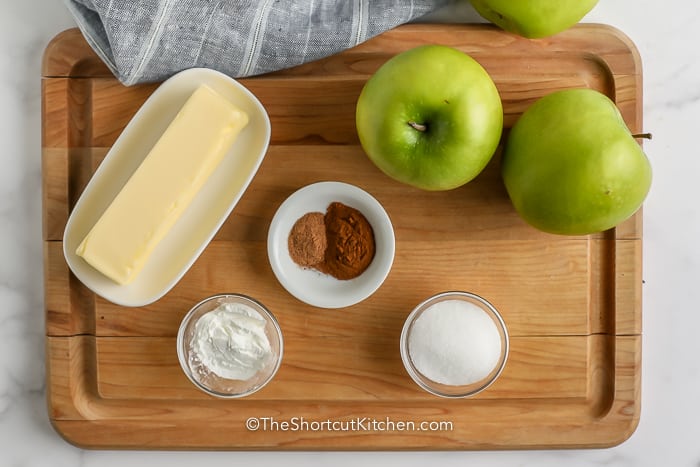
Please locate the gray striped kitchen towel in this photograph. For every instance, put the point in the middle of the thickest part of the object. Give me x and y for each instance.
(149, 40)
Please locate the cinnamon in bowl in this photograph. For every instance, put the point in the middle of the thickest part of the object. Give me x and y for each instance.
(331, 244)
(339, 243)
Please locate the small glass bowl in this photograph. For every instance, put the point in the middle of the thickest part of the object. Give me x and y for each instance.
(446, 390)
(210, 382)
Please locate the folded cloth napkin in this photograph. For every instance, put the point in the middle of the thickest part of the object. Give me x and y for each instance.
(149, 40)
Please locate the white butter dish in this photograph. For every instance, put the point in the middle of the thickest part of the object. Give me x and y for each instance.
(211, 206)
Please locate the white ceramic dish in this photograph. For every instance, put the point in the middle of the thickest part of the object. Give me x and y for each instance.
(209, 209)
(309, 285)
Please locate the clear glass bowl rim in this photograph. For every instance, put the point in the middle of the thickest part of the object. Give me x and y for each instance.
(258, 306)
(471, 389)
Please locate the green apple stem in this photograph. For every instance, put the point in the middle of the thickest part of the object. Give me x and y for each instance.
(641, 136)
(418, 126)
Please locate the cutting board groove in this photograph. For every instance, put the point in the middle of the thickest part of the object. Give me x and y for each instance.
(572, 304)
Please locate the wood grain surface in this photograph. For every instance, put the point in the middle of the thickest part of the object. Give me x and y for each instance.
(572, 304)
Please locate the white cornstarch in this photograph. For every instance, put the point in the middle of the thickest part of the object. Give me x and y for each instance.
(231, 342)
(454, 342)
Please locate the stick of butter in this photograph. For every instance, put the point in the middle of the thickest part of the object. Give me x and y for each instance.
(162, 187)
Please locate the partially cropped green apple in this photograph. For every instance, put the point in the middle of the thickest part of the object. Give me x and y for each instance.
(534, 18)
(571, 165)
(430, 117)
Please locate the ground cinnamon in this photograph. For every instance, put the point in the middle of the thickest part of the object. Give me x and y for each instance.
(339, 243)
(350, 242)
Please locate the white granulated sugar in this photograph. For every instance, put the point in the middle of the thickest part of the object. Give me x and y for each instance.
(454, 342)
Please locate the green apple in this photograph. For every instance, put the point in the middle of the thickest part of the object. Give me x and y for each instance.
(430, 117)
(571, 166)
(534, 18)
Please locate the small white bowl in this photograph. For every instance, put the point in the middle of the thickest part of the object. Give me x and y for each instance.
(309, 285)
(174, 255)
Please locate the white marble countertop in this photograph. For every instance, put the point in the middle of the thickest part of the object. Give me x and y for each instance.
(670, 425)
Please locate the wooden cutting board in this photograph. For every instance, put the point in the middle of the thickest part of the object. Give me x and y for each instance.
(572, 304)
